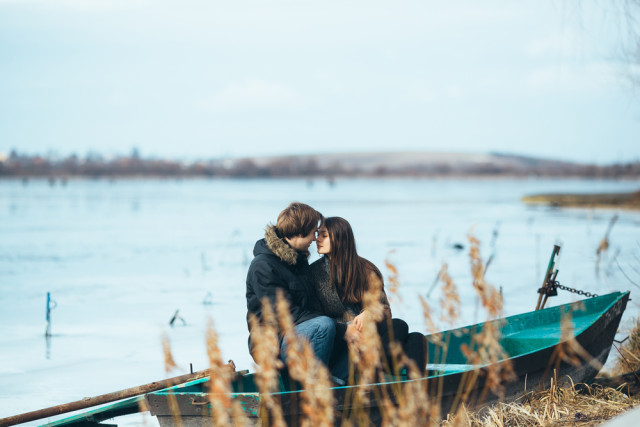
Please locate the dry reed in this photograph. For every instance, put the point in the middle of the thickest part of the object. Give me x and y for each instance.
(489, 297)
(169, 362)
(266, 349)
(603, 247)
(169, 365)
(409, 405)
(555, 406)
(365, 352)
(486, 348)
(221, 375)
(406, 403)
(429, 324)
(393, 281)
(317, 397)
(450, 300)
(628, 358)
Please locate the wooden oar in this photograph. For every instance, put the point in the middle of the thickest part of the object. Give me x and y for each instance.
(104, 398)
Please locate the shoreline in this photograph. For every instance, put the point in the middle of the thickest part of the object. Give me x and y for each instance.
(328, 178)
(629, 200)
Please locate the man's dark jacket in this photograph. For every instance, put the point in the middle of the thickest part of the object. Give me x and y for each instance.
(277, 266)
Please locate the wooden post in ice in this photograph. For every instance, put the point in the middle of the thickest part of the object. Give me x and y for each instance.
(47, 332)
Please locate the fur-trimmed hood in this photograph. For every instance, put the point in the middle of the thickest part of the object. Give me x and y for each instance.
(280, 247)
(277, 266)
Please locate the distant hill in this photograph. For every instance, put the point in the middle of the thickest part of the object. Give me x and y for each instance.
(415, 163)
(372, 164)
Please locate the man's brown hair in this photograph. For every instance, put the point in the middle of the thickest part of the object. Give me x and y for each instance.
(298, 219)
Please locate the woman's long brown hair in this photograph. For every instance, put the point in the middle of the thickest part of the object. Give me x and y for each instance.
(349, 272)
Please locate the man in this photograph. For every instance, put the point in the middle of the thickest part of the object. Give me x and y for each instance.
(281, 264)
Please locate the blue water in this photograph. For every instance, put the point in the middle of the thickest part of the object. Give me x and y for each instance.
(119, 258)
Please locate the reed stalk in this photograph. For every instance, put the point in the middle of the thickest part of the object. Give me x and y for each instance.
(266, 349)
(317, 397)
(169, 365)
(219, 383)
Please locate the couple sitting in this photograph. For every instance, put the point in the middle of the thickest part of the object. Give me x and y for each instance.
(326, 298)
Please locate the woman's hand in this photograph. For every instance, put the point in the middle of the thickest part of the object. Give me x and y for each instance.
(352, 334)
(359, 320)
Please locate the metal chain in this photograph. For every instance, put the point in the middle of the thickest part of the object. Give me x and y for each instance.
(575, 291)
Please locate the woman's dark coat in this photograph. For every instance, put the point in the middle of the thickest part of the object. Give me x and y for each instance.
(329, 301)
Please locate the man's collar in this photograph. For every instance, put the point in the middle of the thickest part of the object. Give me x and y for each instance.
(280, 247)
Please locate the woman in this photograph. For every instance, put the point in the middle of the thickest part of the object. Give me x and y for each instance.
(342, 278)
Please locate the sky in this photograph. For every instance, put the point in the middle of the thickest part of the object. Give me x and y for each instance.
(209, 79)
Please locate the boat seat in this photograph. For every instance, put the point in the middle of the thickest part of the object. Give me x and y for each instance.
(450, 367)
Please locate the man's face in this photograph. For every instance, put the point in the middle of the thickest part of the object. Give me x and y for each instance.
(301, 243)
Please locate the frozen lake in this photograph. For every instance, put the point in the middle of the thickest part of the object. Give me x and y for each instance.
(119, 258)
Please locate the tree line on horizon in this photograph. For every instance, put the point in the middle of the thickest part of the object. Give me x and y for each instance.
(95, 166)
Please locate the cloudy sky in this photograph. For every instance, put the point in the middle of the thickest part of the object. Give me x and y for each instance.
(201, 79)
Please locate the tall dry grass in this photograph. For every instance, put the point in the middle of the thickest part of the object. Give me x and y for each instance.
(365, 352)
(603, 247)
(628, 357)
(169, 365)
(408, 404)
(429, 324)
(266, 349)
(488, 351)
(450, 300)
(411, 403)
(365, 357)
(555, 406)
(225, 412)
(393, 279)
(317, 397)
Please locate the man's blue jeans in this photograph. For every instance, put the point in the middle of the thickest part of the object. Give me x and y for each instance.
(320, 333)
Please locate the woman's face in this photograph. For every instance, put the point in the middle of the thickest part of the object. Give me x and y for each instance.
(323, 242)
